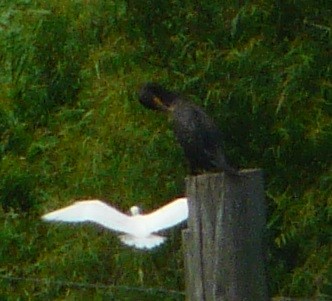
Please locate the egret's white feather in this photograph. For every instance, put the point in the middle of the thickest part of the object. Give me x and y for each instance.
(167, 216)
(138, 228)
(148, 242)
(91, 211)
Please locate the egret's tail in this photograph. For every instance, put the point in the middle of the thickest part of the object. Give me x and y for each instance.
(148, 242)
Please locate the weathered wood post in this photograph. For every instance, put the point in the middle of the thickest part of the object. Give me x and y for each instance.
(224, 252)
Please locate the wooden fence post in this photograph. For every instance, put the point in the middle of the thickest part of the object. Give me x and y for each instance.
(224, 252)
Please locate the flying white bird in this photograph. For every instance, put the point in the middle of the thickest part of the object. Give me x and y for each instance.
(138, 228)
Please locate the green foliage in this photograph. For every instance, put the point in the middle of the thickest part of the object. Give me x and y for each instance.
(71, 128)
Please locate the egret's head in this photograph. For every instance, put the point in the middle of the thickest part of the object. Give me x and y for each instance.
(135, 210)
(153, 96)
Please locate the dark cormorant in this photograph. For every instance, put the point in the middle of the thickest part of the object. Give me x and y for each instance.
(196, 132)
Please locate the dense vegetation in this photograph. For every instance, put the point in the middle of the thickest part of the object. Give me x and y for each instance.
(71, 128)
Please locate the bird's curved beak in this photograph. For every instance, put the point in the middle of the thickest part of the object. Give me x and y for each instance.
(159, 104)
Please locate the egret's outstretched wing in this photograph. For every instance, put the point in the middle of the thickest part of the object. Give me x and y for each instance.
(167, 216)
(93, 211)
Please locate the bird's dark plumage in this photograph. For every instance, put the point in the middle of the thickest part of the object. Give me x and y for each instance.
(196, 132)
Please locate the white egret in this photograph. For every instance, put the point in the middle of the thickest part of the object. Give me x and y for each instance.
(138, 228)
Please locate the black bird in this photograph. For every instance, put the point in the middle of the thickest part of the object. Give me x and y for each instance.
(196, 132)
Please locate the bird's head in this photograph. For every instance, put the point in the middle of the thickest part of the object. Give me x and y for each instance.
(135, 210)
(153, 96)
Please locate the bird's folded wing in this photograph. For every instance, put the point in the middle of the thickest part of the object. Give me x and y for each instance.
(93, 211)
(167, 216)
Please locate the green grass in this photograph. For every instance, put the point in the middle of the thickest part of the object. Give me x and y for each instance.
(71, 128)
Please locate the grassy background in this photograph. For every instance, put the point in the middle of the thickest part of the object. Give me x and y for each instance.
(71, 128)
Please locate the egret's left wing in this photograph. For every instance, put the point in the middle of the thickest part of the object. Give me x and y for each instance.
(93, 211)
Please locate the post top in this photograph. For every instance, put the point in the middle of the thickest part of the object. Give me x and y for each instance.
(242, 173)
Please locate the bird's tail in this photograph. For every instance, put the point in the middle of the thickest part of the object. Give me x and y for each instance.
(148, 242)
(222, 164)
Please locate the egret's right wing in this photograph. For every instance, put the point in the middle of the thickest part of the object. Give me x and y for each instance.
(92, 211)
(167, 216)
